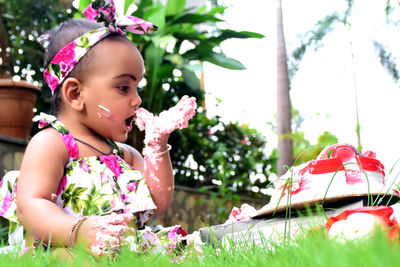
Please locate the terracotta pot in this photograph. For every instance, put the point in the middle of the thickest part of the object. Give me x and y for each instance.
(17, 100)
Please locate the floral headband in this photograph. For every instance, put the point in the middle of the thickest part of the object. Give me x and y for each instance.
(103, 11)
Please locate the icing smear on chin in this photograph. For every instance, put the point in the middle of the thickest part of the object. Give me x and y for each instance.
(157, 127)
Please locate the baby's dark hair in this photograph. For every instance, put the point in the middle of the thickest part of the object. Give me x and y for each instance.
(60, 36)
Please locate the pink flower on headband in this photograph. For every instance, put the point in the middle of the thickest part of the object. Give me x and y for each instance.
(140, 26)
(66, 68)
(106, 8)
(91, 13)
(104, 12)
(52, 81)
(66, 54)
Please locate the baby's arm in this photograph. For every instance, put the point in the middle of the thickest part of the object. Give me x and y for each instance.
(41, 172)
(161, 189)
(157, 168)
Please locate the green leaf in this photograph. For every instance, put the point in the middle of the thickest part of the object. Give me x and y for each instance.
(77, 15)
(174, 7)
(156, 15)
(163, 41)
(206, 188)
(165, 71)
(199, 202)
(66, 199)
(78, 192)
(69, 189)
(127, 4)
(200, 51)
(217, 10)
(175, 59)
(201, 9)
(223, 61)
(142, 6)
(195, 67)
(235, 198)
(12, 227)
(106, 206)
(76, 205)
(197, 19)
(190, 78)
(93, 191)
(188, 35)
(83, 4)
(9, 187)
(8, 16)
(56, 69)
(227, 34)
(85, 42)
(154, 55)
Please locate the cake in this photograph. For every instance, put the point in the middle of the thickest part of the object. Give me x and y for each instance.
(339, 172)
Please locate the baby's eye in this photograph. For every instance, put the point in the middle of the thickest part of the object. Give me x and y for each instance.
(123, 87)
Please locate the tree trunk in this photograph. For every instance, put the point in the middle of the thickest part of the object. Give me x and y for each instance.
(285, 149)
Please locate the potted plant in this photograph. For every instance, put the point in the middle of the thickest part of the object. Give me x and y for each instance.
(21, 22)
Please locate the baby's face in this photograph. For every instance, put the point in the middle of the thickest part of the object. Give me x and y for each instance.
(116, 70)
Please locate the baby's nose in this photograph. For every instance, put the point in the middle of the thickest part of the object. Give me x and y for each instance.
(136, 101)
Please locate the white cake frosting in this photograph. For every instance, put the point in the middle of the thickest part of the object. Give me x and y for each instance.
(338, 172)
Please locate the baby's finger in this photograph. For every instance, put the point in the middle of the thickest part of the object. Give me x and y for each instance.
(112, 219)
(122, 218)
(114, 230)
(102, 238)
(105, 245)
(143, 118)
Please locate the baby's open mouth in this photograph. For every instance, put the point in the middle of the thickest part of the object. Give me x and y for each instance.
(128, 121)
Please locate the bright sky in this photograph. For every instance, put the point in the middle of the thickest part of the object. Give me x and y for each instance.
(323, 88)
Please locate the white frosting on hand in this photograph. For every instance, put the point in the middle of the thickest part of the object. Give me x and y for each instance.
(110, 233)
(157, 127)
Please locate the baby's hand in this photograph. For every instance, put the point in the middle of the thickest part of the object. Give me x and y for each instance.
(174, 118)
(158, 128)
(105, 234)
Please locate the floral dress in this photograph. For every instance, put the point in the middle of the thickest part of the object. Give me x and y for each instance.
(95, 185)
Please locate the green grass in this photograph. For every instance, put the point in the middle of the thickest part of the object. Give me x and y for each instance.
(313, 250)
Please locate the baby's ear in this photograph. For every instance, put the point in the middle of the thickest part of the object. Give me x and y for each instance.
(71, 91)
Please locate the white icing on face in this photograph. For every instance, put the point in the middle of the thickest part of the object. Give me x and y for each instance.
(105, 113)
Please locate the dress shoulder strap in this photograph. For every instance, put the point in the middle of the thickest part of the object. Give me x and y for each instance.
(46, 120)
(116, 148)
